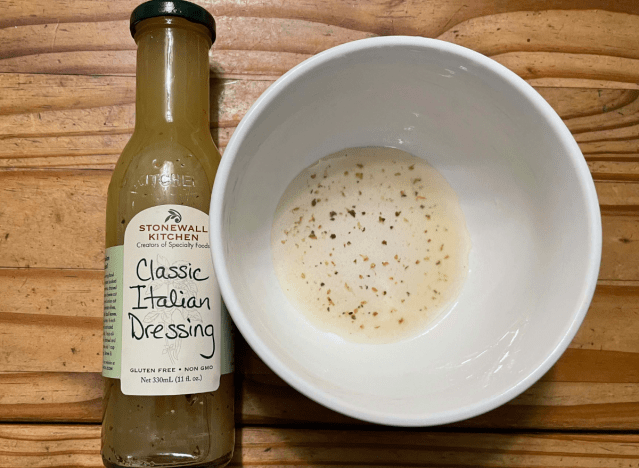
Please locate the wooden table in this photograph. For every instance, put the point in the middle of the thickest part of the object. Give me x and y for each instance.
(67, 92)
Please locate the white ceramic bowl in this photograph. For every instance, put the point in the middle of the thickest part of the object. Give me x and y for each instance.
(530, 206)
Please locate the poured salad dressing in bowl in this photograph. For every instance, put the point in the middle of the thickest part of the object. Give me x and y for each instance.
(370, 244)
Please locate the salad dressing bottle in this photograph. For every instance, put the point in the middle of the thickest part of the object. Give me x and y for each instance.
(167, 360)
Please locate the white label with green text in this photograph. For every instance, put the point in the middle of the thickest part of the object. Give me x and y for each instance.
(171, 314)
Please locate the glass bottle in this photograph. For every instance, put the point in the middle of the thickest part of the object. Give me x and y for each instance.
(167, 337)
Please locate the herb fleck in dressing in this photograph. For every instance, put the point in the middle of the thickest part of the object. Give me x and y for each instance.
(370, 244)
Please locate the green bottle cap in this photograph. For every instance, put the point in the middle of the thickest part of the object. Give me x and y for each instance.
(178, 8)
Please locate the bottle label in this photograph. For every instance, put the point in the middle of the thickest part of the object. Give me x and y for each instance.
(111, 343)
(164, 308)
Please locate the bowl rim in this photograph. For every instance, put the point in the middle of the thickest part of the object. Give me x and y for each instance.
(565, 138)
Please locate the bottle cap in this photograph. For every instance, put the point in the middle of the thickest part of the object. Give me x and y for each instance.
(177, 8)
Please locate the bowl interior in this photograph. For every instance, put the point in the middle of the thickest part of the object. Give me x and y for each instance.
(530, 209)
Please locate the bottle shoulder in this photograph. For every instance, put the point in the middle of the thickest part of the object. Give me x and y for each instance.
(159, 170)
(148, 153)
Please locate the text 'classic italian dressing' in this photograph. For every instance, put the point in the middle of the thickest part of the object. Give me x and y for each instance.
(370, 244)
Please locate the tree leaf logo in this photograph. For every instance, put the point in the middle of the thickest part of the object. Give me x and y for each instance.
(173, 215)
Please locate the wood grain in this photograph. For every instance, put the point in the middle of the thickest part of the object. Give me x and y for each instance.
(98, 104)
(402, 448)
(563, 47)
(51, 396)
(48, 446)
(64, 225)
(51, 292)
(592, 32)
(398, 18)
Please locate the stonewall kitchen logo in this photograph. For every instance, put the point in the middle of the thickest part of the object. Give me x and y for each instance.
(172, 230)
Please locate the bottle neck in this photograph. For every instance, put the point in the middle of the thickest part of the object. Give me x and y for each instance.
(172, 84)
